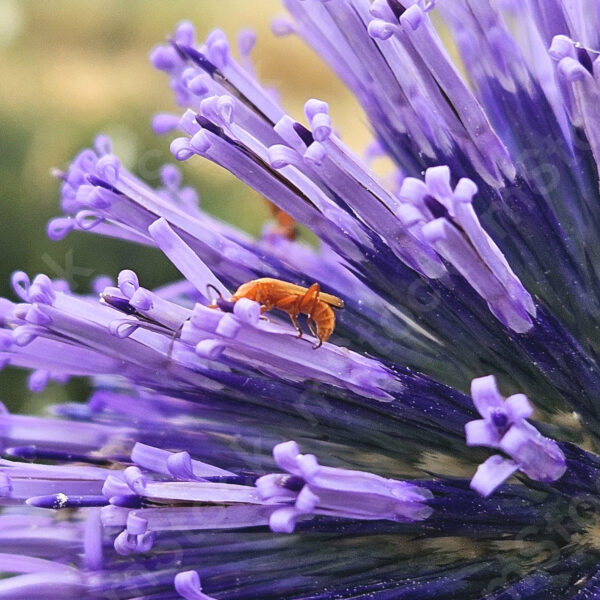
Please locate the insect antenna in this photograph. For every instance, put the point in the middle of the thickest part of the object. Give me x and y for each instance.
(210, 286)
(220, 302)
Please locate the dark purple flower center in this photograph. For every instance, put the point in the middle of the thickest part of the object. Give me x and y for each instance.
(500, 419)
(292, 482)
(397, 8)
(121, 304)
(438, 210)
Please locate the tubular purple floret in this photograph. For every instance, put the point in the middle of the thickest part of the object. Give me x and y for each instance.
(86, 220)
(59, 228)
(135, 479)
(127, 543)
(100, 283)
(181, 255)
(286, 128)
(246, 40)
(124, 328)
(332, 165)
(170, 177)
(417, 55)
(381, 9)
(163, 462)
(134, 206)
(504, 427)
(128, 282)
(584, 88)
(210, 349)
(321, 213)
(187, 584)
(562, 46)
(180, 466)
(256, 342)
(197, 83)
(136, 525)
(23, 335)
(40, 290)
(38, 380)
(115, 485)
(315, 154)
(346, 173)
(163, 123)
(185, 33)
(382, 30)
(33, 315)
(165, 58)
(103, 144)
(423, 37)
(280, 26)
(455, 232)
(317, 114)
(162, 312)
(217, 49)
(108, 168)
(281, 156)
(181, 148)
(337, 492)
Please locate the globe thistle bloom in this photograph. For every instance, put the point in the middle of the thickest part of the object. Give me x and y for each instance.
(443, 442)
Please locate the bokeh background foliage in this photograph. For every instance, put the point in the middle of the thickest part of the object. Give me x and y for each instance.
(69, 70)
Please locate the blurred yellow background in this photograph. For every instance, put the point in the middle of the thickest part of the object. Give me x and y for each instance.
(69, 70)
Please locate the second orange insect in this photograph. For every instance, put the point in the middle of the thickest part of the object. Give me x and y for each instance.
(294, 300)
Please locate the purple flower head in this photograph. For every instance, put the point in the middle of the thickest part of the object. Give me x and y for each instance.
(504, 427)
(476, 254)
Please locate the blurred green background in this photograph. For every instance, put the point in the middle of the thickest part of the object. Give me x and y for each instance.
(69, 70)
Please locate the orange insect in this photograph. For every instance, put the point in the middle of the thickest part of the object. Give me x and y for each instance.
(286, 226)
(294, 300)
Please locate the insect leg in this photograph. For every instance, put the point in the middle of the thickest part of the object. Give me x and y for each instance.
(308, 304)
(312, 326)
(310, 299)
(295, 323)
(289, 304)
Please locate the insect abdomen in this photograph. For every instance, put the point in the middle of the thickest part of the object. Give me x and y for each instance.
(324, 318)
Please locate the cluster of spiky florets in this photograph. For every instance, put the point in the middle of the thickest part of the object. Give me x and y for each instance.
(477, 266)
